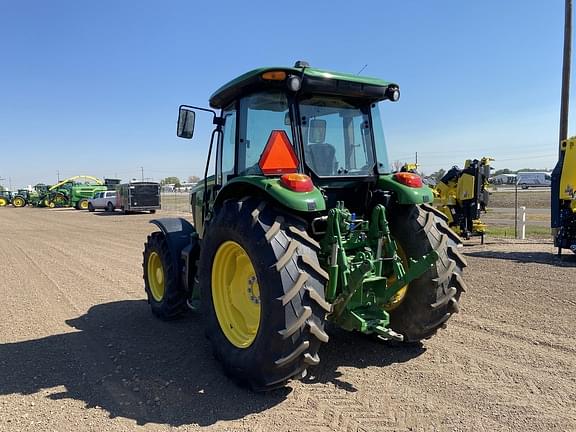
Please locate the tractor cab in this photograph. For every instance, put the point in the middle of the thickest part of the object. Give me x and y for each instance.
(280, 121)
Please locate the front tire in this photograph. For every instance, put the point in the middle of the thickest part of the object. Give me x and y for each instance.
(162, 283)
(82, 204)
(18, 202)
(90, 207)
(276, 268)
(434, 297)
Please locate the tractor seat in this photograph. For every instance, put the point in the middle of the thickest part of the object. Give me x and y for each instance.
(322, 159)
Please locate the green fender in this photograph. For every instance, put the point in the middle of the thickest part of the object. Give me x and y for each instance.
(300, 201)
(406, 194)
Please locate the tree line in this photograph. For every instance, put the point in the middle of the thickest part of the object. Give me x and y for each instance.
(176, 181)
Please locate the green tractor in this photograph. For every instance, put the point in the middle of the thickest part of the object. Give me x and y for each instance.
(39, 195)
(302, 224)
(21, 198)
(5, 198)
(70, 193)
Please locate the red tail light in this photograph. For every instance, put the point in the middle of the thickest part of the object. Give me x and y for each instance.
(278, 156)
(409, 179)
(297, 182)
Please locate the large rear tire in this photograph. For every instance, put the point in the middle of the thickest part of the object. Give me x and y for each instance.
(434, 297)
(265, 316)
(3, 202)
(162, 282)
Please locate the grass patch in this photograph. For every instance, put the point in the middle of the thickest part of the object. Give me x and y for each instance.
(508, 231)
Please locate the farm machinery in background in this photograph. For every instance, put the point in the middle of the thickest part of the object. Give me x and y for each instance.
(302, 223)
(5, 198)
(67, 193)
(462, 195)
(20, 198)
(564, 198)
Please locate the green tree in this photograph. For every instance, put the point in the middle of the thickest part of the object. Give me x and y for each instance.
(171, 180)
(437, 175)
(503, 171)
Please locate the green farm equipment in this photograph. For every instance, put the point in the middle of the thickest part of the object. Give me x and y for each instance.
(69, 193)
(302, 223)
(5, 198)
(21, 198)
(38, 197)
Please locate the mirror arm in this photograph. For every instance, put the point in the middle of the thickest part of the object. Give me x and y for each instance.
(214, 132)
(200, 109)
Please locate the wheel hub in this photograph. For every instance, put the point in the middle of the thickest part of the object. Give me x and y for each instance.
(156, 276)
(236, 294)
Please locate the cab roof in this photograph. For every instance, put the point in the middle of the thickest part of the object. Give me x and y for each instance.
(316, 80)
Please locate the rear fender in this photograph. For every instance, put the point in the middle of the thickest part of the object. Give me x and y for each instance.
(183, 243)
(271, 187)
(405, 194)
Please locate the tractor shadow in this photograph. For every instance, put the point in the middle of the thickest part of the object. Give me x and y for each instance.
(523, 257)
(356, 350)
(126, 362)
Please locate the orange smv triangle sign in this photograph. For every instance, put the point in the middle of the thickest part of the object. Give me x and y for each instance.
(278, 156)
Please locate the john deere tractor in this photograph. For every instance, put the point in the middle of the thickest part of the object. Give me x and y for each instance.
(21, 198)
(5, 198)
(301, 223)
(564, 197)
(39, 195)
(462, 196)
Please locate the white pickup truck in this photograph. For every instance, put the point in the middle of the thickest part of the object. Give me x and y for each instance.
(103, 200)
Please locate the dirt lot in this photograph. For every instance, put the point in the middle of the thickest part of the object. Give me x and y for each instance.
(531, 198)
(79, 349)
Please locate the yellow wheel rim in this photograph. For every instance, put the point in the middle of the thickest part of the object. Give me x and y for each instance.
(18, 202)
(156, 276)
(400, 295)
(83, 205)
(51, 204)
(3, 202)
(236, 294)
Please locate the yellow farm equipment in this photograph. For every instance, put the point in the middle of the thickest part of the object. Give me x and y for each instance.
(564, 197)
(461, 195)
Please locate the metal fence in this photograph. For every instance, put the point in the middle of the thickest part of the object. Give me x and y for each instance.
(175, 201)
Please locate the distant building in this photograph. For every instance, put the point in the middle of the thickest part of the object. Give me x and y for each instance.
(184, 187)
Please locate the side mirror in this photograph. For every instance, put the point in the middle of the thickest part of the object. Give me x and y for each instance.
(186, 118)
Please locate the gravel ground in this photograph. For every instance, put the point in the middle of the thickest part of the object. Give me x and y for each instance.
(79, 350)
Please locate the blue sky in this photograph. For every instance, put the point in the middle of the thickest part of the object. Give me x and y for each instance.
(94, 87)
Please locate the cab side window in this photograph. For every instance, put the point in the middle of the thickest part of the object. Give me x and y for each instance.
(228, 143)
